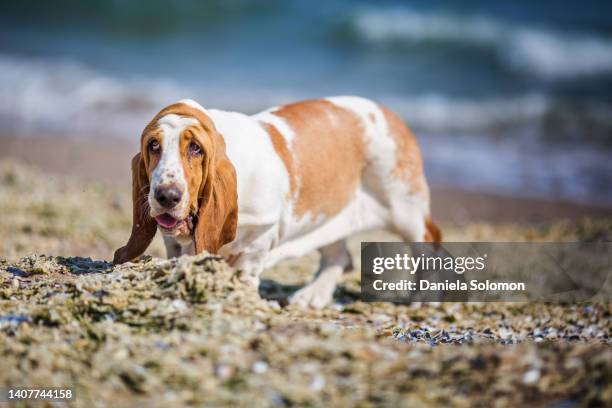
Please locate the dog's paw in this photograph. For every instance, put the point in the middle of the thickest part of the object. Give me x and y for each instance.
(312, 296)
(250, 280)
(320, 292)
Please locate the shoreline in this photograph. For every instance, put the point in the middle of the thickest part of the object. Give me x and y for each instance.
(109, 163)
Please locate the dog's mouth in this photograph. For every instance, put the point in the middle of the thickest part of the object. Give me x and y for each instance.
(167, 221)
(173, 225)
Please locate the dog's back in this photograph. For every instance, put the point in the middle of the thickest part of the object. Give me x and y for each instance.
(351, 165)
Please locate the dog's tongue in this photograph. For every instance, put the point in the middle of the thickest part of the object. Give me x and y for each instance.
(166, 221)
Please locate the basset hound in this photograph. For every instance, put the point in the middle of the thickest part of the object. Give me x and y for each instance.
(257, 189)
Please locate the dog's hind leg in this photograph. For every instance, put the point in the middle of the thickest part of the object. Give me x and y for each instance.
(335, 260)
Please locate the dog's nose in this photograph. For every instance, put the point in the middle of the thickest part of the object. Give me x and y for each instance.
(168, 196)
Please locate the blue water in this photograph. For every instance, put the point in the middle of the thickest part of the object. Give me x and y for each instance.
(509, 97)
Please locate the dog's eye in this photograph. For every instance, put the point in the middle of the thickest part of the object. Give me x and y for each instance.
(154, 146)
(195, 149)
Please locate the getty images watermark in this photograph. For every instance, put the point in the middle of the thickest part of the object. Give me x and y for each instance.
(459, 265)
(563, 272)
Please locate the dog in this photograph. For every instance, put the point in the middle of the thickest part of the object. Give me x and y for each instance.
(258, 189)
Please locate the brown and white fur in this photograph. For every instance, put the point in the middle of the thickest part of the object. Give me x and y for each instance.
(258, 189)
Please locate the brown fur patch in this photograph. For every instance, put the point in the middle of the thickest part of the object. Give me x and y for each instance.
(150, 160)
(143, 226)
(281, 148)
(328, 155)
(409, 165)
(193, 166)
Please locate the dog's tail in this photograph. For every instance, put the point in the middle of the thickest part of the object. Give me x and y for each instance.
(432, 232)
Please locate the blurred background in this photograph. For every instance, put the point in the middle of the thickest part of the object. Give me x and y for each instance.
(511, 98)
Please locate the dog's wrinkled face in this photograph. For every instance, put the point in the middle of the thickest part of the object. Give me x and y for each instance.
(174, 149)
(183, 183)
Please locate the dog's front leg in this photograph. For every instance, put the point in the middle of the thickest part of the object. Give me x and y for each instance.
(335, 260)
(173, 248)
(251, 265)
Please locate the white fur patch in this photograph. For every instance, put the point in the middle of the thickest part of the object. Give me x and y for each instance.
(363, 108)
(279, 123)
(169, 170)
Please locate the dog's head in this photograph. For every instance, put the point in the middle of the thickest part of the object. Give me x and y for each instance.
(183, 182)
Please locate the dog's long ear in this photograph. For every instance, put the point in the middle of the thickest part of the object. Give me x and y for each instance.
(218, 212)
(143, 226)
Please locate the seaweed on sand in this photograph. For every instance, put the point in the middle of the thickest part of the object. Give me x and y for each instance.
(187, 331)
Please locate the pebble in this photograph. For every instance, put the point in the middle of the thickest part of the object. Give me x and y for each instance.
(13, 320)
(531, 376)
(260, 367)
(224, 371)
(179, 305)
(318, 383)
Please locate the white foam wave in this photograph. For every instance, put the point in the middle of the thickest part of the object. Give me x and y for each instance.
(523, 167)
(438, 113)
(541, 52)
(63, 96)
(405, 25)
(67, 98)
(551, 55)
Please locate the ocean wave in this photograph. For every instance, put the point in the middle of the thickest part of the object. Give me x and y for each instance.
(63, 96)
(551, 55)
(68, 98)
(439, 113)
(523, 167)
(545, 53)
